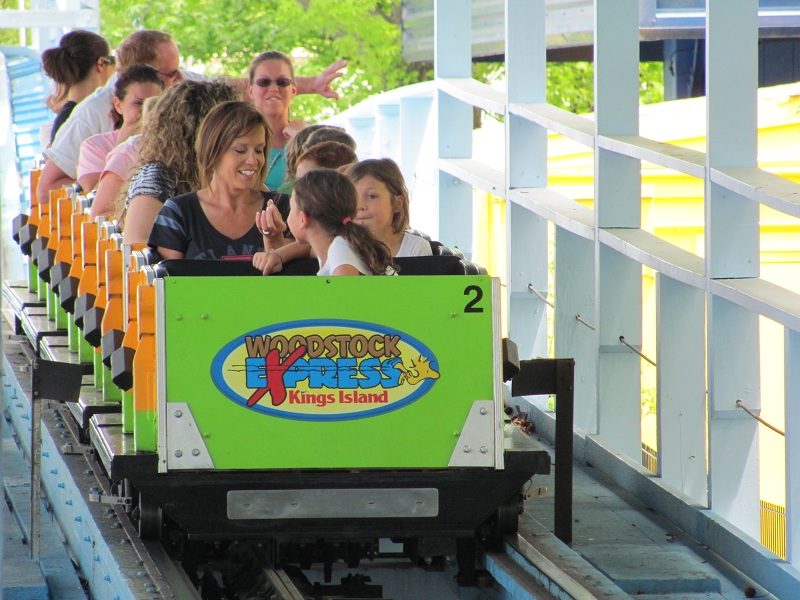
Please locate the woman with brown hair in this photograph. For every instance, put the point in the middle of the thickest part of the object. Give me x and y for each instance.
(168, 161)
(80, 64)
(218, 221)
(272, 89)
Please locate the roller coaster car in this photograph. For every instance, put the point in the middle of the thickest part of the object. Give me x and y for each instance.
(342, 408)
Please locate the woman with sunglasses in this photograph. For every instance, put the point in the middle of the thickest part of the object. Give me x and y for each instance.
(79, 65)
(272, 89)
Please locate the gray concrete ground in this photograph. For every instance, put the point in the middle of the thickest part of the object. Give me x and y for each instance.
(622, 548)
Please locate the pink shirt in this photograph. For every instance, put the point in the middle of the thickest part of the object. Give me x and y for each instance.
(94, 150)
(122, 159)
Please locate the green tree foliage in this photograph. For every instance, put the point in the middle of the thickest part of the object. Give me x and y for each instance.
(9, 37)
(571, 85)
(224, 35)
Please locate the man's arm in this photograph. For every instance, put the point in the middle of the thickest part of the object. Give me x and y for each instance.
(52, 178)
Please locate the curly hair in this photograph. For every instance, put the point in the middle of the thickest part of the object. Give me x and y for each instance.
(225, 123)
(330, 199)
(387, 172)
(171, 128)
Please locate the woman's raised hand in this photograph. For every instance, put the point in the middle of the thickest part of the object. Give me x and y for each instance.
(271, 225)
(322, 82)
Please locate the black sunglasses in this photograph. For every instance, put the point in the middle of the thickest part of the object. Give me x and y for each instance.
(280, 82)
(109, 60)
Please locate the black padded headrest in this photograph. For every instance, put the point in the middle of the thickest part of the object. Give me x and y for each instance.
(409, 265)
(206, 268)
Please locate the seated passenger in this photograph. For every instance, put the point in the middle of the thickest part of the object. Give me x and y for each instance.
(383, 206)
(168, 160)
(121, 164)
(272, 89)
(326, 155)
(294, 148)
(299, 143)
(133, 87)
(330, 133)
(218, 221)
(80, 64)
(323, 205)
(157, 49)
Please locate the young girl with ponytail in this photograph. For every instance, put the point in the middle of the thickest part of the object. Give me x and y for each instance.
(323, 206)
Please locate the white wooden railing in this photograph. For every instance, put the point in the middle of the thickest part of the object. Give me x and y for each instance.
(709, 304)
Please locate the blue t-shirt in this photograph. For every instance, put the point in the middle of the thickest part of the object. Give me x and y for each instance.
(183, 226)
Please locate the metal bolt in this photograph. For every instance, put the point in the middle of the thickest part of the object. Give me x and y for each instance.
(467, 448)
(484, 411)
(453, 315)
(178, 453)
(178, 414)
(204, 317)
(484, 449)
(195, 452)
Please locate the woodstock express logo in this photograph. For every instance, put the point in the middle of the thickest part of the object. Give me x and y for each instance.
(324, 370)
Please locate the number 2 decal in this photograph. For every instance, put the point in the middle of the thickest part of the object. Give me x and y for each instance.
(470, 307)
